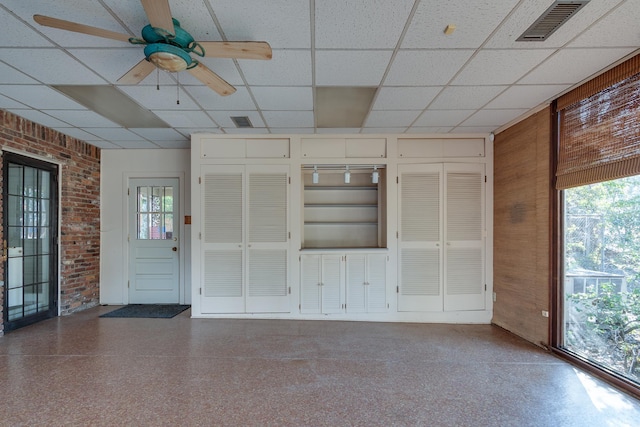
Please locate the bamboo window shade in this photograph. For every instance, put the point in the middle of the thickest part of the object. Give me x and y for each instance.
(599, 128)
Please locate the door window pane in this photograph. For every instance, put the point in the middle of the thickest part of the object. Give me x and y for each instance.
(602, 274)
(155, 212)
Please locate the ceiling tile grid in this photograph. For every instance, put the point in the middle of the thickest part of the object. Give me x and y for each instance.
(475, 79)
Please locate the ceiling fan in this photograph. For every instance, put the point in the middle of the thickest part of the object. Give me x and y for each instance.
(169, 47)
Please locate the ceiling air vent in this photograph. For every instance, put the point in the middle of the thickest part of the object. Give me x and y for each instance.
(242, 121)
(554, 17)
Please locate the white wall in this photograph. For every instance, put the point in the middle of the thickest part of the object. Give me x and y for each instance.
(118, 166)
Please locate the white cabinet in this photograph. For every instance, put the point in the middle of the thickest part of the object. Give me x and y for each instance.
(244, 239)
(441, 237)
(322, 284)
(366, 283)
(351, 282)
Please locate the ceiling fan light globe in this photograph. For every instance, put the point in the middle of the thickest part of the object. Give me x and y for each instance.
(167, 57)
(168, 61)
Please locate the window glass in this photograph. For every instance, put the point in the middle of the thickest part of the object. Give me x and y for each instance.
(155, 212)
(602, 249)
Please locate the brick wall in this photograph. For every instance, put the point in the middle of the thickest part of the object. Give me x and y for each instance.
(79, 266)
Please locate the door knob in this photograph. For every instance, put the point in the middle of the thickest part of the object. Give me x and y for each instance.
(174, 249)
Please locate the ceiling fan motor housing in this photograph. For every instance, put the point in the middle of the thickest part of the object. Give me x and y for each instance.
(167, 51)
(160, 35)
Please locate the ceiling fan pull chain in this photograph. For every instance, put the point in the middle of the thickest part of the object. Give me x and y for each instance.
(178, 88)
(157, 78)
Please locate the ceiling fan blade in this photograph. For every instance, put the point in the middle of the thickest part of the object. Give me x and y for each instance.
(239, 50)
(136, 74)
(47, 21)
(212, 80)
(159, 14)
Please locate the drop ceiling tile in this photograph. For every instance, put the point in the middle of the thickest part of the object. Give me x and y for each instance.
(185, 119)
(436, 67)
(405, 98)
(465, 97)
(292, 119)
(111, 64)
(209, 100)
(192, 131)
(438, 118)
(77, 133)
(192, 15)
(493, 67)
(38, 117)
(39, 97)
(163, 99)
(82, 118)
(474, 22)
(223, 118)
(9, 75)
(526, 96)
(428, 129)
(57, 68)
(180, 143)
(82, 12)
(475, 129)
(105, 145)
(283, 98)
(158, 134)
(576, 65)
(360, 24)
(493, 117)
(623, 19)
(281, 23)
(387, 119)
(286, 68)
(137, 144)
(386, 130)
(116, 134)
(351, 68)
(529, 11)
(7, 103)
(17, 34)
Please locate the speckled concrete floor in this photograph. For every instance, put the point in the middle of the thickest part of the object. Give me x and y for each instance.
(86, 370)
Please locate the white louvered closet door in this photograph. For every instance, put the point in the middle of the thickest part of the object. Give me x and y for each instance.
(267, 237)
(356, 283)
(420, 220)
(376, 283)
(223, 239)
(464, 237)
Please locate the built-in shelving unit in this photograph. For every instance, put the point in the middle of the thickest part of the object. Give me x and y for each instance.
(339, 215)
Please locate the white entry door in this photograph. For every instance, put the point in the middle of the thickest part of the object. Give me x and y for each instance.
(154, 241)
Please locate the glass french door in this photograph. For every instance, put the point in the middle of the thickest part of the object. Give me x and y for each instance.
(30, 206)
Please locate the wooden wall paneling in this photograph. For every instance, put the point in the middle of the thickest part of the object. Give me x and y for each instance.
(521, 228)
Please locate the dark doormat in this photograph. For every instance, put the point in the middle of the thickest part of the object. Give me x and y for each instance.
(162, 311)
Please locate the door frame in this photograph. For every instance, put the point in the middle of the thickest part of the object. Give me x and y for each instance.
(183, 243)
(31, 159)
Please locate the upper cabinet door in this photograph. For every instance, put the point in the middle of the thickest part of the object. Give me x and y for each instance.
(420, 237)
(464, 237)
